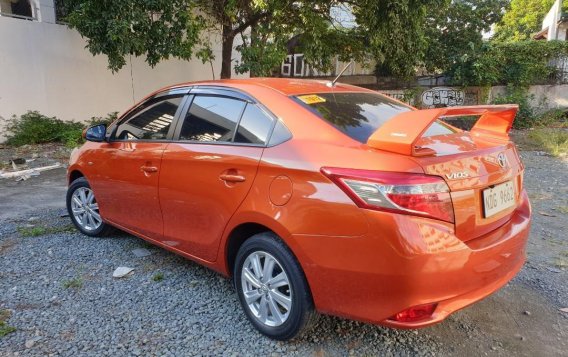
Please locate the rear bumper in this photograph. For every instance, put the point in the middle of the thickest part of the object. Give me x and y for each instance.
(408, 261)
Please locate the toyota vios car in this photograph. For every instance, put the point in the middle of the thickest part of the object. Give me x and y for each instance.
(313, 196)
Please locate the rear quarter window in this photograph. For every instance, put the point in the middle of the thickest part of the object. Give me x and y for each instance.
(359, 115)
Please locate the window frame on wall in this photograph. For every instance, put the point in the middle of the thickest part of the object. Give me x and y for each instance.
(33, 10)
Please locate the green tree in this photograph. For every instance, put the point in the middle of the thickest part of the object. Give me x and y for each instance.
(160, 29)
(454, 32)
(396, 33)
(522, 20)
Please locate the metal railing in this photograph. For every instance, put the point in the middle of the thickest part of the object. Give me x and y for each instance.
(560, 65)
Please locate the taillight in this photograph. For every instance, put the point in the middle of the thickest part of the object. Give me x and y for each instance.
(415, 313)
(415, 194)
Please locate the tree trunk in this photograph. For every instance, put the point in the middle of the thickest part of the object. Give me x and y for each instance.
(227, 52)
(253, 41)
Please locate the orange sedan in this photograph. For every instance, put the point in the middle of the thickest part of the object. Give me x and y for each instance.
(313, 196)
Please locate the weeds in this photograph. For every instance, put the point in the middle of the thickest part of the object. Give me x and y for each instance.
(553, 141)
(526, 116)
(32, 231)
(40, 230)
(5, 329)
(74, 283)
(561, 263)
(158, 277)
(35, 128)
(553, 118)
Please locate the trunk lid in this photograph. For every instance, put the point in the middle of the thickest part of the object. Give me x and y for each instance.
(471, 165)
(479, 166)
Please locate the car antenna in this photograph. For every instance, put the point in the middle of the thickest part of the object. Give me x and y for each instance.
(332, 83)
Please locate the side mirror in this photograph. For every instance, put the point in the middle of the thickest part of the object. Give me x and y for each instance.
(95, 133)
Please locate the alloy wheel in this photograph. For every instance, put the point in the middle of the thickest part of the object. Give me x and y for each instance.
(85, 209)
(266, 289)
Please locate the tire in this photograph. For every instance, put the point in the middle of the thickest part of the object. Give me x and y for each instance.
(80, 198)
(281, 318)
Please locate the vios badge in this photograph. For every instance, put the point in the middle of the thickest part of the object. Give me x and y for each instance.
(457, 175)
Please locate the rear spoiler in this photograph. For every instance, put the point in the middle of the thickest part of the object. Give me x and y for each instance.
(401, 133)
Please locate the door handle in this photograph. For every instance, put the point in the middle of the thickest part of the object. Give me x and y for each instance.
(232, 178)
(149, 169)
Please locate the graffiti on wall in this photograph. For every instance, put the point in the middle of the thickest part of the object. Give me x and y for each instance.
(436, 97)
(295, 66)
(442, 97)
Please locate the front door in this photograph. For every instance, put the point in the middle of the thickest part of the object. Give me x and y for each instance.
(208, 171)
(131, 163)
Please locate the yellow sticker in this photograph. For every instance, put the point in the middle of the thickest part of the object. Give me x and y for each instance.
(311, 99)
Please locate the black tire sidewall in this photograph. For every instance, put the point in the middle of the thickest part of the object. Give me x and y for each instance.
(78, 183)
(301, 297)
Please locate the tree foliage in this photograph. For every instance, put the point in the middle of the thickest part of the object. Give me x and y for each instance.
(395, 37)
(455, 31)
(390, 31)
(452, 29)
(156, 29)
(518, 64)
(522, 20)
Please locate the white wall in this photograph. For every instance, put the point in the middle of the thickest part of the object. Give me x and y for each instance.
(551, 22)
(45, 67)
(544, 97)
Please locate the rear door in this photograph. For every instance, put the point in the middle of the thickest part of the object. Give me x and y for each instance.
(208, 170)
(130, 164)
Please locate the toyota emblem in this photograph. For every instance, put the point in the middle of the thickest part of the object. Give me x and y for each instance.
(502, 160)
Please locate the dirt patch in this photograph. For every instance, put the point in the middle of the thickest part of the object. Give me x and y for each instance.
(516, 321)
(47, 190)
(6, 245)
(34, 155)
(20, 199)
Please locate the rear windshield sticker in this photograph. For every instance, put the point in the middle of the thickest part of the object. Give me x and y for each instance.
(311, 99)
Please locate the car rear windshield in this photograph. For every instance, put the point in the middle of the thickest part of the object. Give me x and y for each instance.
(359, 115)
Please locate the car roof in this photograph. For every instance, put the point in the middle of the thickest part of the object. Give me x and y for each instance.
(251, 86)
(285, 86)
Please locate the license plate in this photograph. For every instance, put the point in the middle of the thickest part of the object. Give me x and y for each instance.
(498, 198)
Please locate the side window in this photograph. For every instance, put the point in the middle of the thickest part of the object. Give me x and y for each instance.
(211, 118)
(151, 123)
(254, 126)
(280, 134)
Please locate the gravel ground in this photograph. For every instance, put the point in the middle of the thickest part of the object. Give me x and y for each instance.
(57, 290)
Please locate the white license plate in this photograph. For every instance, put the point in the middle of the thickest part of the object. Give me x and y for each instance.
(498, 198)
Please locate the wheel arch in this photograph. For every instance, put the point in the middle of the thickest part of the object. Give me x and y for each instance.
(74, 174)
(236, 238)
(244, 227)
